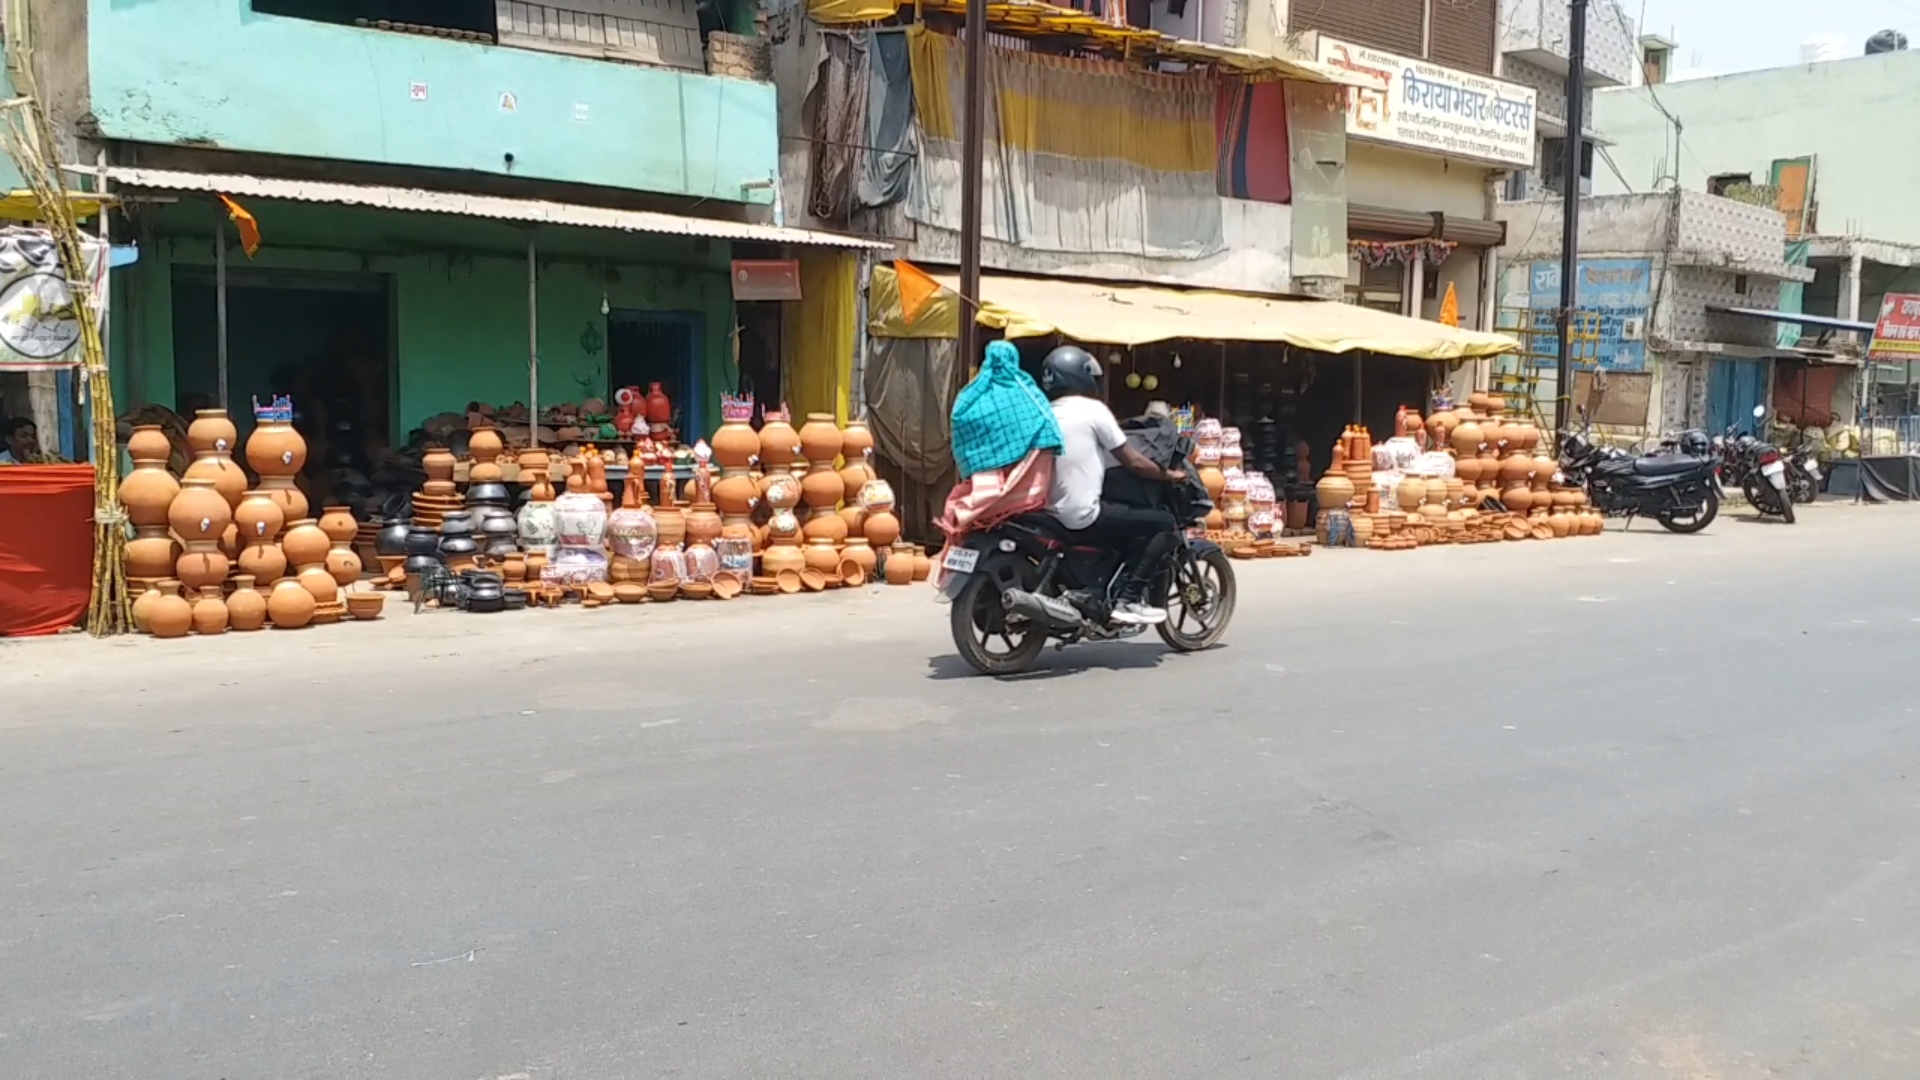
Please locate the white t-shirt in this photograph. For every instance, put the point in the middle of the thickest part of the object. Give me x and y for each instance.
(1089, 435)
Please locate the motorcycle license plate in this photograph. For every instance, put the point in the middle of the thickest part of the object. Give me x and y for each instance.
(960, 560)
(1778, 468)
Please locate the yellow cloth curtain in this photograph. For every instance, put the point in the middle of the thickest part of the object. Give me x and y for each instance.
(819, 334)
(939, 319)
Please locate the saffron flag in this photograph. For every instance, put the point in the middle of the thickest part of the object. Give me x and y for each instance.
(916, 288)
(1450, 307)
(245, 223)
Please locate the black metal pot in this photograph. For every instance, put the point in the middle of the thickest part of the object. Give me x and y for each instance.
(421, 540)
(458, 523)
(453, 547)
(420, 564)
(391, 540)
(489, 493)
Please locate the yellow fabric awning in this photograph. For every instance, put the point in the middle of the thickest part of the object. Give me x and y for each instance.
(1138, 314)
(24, 206)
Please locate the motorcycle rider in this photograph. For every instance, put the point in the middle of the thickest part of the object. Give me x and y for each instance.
(1092, 443)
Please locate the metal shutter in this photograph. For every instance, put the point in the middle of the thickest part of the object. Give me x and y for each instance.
(1463, 32)
(1393, 25)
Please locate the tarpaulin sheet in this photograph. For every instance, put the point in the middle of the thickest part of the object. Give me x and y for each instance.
(46, 547)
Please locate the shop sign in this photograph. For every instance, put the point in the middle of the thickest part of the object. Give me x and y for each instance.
(766, 279)
(39, 325)
(1618, 291)
(1435, 109)
(1896, 334)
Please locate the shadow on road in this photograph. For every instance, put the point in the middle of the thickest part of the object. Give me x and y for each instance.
(1051, 664)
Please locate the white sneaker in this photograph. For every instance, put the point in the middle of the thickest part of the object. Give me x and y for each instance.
(1136, 613)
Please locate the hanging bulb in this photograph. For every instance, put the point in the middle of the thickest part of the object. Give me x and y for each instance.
(605, 308)
(1176, 361)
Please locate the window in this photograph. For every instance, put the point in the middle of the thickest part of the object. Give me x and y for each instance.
(420, 16)
(1726, 183)
(1654, 62)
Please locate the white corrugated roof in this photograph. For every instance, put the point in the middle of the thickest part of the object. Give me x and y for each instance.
(532, 211)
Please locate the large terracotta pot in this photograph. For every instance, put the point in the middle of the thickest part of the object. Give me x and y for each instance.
(735, 495)
(703, 524)
(246, 608)
(343, 565)
(212, 432)
(859, 551)
(169, 615)
(856, 442)
(855, 517)
(337, 522)
(1467, 469)
(227, 478)
(822, 488)
(735, 445)
(276, 449)
(1518, 499)
(484, 446)
(210, 611)
(899, 568)
(290, 605)
(854, 479)
(149, 488)
(316, 580)
(881, 530)
(151, 553)
(283, 490)
(1516, 469)
(783, 528)
(825, 525)
(142, 607)
(199, 512)
(305, 544)
(780, 557)
(1411, 493)
(1214, 481)
(659, 406)
(258, 517)
(1334, 491)
(263, 561)
(822, 554)
(820, 439)
(779, 443)
(200, 565)
(1467, 437)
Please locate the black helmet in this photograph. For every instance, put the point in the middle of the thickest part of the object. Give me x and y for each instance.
(1695, 442)
(1069, 370)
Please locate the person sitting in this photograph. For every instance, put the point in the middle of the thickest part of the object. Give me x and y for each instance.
(1092, 443)
(22, 443)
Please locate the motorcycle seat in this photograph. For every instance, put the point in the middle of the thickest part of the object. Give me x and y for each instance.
(1048, 526)
(1669, 464)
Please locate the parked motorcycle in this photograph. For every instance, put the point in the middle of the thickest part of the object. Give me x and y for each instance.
(1758, 469)
(1675, 488)
(1803, 474)
(1029, 581)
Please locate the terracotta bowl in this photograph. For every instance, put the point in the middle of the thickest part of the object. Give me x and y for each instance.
(852, 574)
(664, 590)
(366, 605)
(787, 581)
(813, 580)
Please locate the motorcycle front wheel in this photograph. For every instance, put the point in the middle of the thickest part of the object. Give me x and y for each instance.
(987, 639)
(1801, 487)
(1200, 596)
(1685, 523)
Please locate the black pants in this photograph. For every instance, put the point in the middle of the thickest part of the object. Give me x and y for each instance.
(1144, 534)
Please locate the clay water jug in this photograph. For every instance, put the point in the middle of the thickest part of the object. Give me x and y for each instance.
(169, 616)
(199, 512)
(820, 439)
(150, 594)
(246, 608)
(290, 605)
(882, 530)
(779, 443)
(210, 611)
(899, 566)
(149, 489)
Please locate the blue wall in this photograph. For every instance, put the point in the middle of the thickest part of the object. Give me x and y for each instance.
(212, 72)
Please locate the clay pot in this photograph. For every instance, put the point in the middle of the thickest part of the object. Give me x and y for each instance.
(856, 442)
(826, 525)
(1334, 491)
(779, 444)
(1516, 469)
(200, 565)
(484, 447)
(735, 445)
(881, 530)
(1561, 523)
(781, 490)
(736, 495)
(1467, 469)
(264, 562)
(337, 522)
(149, 489)
(855, 517)
(343, 565)
(305, 544)
(151, 553)
(290, 606)
(899, 566)
(783, 528)
(671, 523)
(922, 566)
(210, 612)
(316, 580)
(246, 608)
(142, 607)
(1411, 492)
(822, 554)
(1517, 499)
(783, 557)
(861, 553)
(282, 490)
(212, 432)
(275, 449)
(199, 512)
(820, 439)
(438, 462)
(169, 615)
(822, 488)
(1466, 437)
(227, 478)
(258, 518)
(854, 478)
(703, 524)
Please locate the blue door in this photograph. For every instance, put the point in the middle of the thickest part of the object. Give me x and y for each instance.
(1734, 387)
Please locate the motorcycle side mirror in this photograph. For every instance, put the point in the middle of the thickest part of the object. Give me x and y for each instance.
(1759, 412)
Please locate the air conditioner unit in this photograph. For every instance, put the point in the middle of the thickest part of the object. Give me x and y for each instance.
(1633, 329)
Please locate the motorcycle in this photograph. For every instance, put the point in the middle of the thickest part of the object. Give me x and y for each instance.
(1758, 469)
(1029, 580)
(1803, 475)
(1675, 488)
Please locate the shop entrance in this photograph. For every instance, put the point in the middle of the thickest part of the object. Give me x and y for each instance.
(324, 338)
(665, 347)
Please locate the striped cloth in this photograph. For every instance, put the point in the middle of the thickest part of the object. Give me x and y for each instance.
(1001, 416)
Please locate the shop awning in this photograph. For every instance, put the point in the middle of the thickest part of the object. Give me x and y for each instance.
(529, 211)
(1138, 314)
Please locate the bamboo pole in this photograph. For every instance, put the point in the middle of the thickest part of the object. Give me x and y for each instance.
(29, 142)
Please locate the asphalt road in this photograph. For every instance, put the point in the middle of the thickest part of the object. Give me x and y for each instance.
(1642, 806)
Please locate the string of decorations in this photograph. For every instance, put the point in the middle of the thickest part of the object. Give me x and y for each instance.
(1377, 253)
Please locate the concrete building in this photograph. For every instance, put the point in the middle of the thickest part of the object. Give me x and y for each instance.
(1660, 343)
(1533, 52)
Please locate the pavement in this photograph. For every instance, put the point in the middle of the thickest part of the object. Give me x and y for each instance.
(1639, 806)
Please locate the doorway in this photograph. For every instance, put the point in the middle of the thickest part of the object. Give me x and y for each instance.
(665, 347)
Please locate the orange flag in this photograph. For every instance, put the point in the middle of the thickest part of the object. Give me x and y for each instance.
(1450, 307)
(916, 288)
(244, 221)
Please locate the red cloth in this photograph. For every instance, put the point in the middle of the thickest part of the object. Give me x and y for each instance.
(988, 498)
(46, 547)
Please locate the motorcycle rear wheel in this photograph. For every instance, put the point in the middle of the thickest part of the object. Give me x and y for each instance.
(1703, 517)
(1199, 602)
(978, 620)
(1769, 499)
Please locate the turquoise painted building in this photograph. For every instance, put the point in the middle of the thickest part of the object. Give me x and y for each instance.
(400, 177)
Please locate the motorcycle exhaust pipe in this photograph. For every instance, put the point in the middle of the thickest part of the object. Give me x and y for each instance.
(1045, 610)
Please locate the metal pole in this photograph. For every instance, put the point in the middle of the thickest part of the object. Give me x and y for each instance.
(220, 304)
(1570, 207)
(533, 346)
(972, 155)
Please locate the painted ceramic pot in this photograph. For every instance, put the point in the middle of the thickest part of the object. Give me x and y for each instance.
(632, 532)
(305, 544)
(149, 489)
(783, 528)
(580, 520)
(854, 477)
(876, 497)
(539, 527)
(199, 512)
(781, 490)
(246, 608)
(290, 606)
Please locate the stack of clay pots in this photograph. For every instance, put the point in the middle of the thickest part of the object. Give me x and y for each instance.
(439, 496)
(822, 487)
(277, 453)
(146, 493)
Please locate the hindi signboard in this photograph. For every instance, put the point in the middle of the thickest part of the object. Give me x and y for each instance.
(1619, 291)
(1896, 334)
(1435, 109)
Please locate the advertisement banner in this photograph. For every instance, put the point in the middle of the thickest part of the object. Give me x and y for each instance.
(1896, 334)
(1619, 291)
(1435, 109)
(39, 328)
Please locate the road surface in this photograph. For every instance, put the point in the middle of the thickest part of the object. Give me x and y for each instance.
(1641, 806)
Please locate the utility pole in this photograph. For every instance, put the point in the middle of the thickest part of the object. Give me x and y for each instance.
(972, 155)
(1570, 207)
